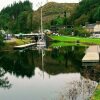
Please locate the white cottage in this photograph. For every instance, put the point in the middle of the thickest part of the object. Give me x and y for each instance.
(93, 28)
(97, 28)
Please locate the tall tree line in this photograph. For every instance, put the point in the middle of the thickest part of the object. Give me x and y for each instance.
(17, 17)
(86, 11)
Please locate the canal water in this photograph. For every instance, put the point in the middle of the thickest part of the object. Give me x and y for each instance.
(46, 74)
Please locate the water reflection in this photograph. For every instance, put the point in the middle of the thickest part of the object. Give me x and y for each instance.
(91, 71)
(18, 63)
(53, 61)
(4, 82)
(53, 65)
(63, 60)
(79, 90)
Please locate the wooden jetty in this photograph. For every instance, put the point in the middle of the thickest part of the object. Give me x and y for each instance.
(24, 46)
(92, 54)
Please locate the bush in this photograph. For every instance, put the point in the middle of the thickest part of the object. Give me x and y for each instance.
(80, 31)
(67, 31)
(1, 40)
(62, 31)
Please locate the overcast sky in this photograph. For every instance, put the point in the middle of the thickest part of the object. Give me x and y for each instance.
(4, 3)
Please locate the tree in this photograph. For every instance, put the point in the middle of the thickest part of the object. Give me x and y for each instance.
(17, 17)
(97, 14)
(80, 31)
(1, 39)
(87, 10)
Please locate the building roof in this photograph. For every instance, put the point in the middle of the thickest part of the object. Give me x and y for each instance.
(90, 25)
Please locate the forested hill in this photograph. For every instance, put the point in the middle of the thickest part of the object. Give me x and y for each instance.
(87, 11)
(19, 17)
(52, 10)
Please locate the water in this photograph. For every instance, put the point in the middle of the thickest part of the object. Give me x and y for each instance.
(51, 74)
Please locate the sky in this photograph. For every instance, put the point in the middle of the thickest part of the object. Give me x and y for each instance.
(36, 3)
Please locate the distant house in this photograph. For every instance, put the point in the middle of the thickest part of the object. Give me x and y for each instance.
(2, 32)
(6, 34)
(93, 28)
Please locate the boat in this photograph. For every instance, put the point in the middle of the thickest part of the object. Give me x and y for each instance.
(41, 39)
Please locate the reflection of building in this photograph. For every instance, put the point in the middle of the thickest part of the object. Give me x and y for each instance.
(93, 28)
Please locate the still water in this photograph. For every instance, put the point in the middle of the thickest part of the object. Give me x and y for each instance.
(46, 74)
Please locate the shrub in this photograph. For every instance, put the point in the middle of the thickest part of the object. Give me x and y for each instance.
(80, 31)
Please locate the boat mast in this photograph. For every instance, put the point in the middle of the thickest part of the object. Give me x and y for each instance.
(41, 21)
(41, 31)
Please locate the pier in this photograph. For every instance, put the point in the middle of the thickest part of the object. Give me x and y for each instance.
(92, 54)
(24, 46)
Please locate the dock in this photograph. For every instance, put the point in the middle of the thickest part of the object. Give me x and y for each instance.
(24, 46)
(92, 54)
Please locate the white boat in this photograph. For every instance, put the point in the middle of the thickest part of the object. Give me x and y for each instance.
(41, 41)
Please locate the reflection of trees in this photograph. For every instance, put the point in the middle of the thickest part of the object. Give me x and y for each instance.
(91, 72)
(79, 90)
(4, 83)
(63, 60)
(19, 63)
(73, 57)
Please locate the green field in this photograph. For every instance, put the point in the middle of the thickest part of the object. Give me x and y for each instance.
(75, 39)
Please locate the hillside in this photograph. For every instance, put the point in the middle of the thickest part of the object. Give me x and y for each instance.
(19, 17)
(87, 11)
(51, 10)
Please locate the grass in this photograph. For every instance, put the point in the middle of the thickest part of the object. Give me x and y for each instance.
(96, 95)
(75, 39)
(10, 43)
(22, 41)
(62, 44)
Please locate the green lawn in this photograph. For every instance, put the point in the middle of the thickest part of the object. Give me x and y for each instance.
(74, 39)
(62, 44)
(96, 95)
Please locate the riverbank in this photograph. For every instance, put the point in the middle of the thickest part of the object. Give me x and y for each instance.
(75, 39)
(96, 95)
(9, 44)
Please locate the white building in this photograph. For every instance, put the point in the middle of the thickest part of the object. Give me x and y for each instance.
(93, 28)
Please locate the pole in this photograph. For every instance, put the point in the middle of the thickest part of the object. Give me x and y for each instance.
(43, 62)
(41, 21)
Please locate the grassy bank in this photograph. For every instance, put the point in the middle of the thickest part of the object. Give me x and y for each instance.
(62, 44)
(10, 43)
(75, 39)
(96, 95)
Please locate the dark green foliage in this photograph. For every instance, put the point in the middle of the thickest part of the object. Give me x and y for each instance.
(87, 10)
(1, 40)
(97, 14)
(80, 31)
(58, 21)
(62, 31)
(17, 17)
